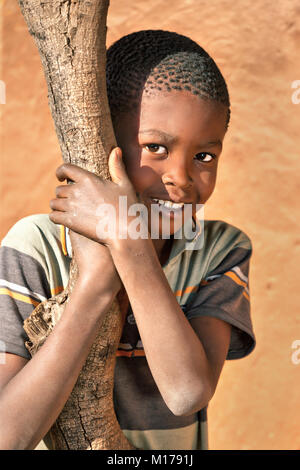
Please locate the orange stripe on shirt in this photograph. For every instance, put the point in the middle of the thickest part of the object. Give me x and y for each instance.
(57, 290)
(63, 240)
(139, 352)
(124, 353)
(132, 353)
(187, 290)
(15, 295)
(246, 295)
(235, 278)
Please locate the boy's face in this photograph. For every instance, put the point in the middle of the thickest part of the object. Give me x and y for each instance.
(171, 148)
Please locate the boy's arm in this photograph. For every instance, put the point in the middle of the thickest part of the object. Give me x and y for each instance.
(31, 401)
(185, 358)
(33, 394)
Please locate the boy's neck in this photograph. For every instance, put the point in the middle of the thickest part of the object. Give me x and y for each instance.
(162, 248)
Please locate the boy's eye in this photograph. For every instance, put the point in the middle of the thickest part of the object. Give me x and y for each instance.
(155, 148)
(205, 157)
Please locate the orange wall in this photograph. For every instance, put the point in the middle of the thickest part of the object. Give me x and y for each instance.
(256, 45)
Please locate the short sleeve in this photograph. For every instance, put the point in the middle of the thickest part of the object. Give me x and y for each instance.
(224, 294)
(23, 285)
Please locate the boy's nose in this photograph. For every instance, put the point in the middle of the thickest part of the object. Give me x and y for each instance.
(178, 174)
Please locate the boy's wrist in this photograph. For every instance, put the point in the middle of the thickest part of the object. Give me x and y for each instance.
(130, 246)
(135, 256)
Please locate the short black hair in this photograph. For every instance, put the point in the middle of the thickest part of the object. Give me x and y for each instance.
(150, 60)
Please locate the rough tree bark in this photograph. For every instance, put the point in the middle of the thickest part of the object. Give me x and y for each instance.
(71, 39)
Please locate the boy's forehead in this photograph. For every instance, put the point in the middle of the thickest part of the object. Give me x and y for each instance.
(180, 111)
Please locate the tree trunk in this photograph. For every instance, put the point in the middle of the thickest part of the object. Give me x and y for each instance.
(71, 38)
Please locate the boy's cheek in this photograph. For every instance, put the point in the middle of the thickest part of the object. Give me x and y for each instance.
(205, 186)
(141, 177)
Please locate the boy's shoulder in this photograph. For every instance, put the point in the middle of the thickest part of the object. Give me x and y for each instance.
(35, 242)
(215, 241)
(31, 233)
(223, 240)
(219, 232)
(28, 222)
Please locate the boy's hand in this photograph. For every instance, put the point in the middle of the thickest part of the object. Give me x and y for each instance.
(95, 265)
(80, 205)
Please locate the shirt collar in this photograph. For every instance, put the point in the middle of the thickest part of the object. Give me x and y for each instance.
(187, 238)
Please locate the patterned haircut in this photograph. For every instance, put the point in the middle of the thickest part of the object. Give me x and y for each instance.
(152, 60)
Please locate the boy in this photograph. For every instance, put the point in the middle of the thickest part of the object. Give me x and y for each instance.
(189, 309)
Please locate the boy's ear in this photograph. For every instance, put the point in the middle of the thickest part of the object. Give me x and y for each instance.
(116, 166)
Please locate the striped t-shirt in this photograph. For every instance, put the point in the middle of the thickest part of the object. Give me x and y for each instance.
(211, 281)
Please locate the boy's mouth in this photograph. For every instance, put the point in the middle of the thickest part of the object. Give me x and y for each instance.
(175, 206)
(171, 214)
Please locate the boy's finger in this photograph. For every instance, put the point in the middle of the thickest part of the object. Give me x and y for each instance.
(58, 217)
(62, 190)
(68, 171)
(116, 166)
(58, 204)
